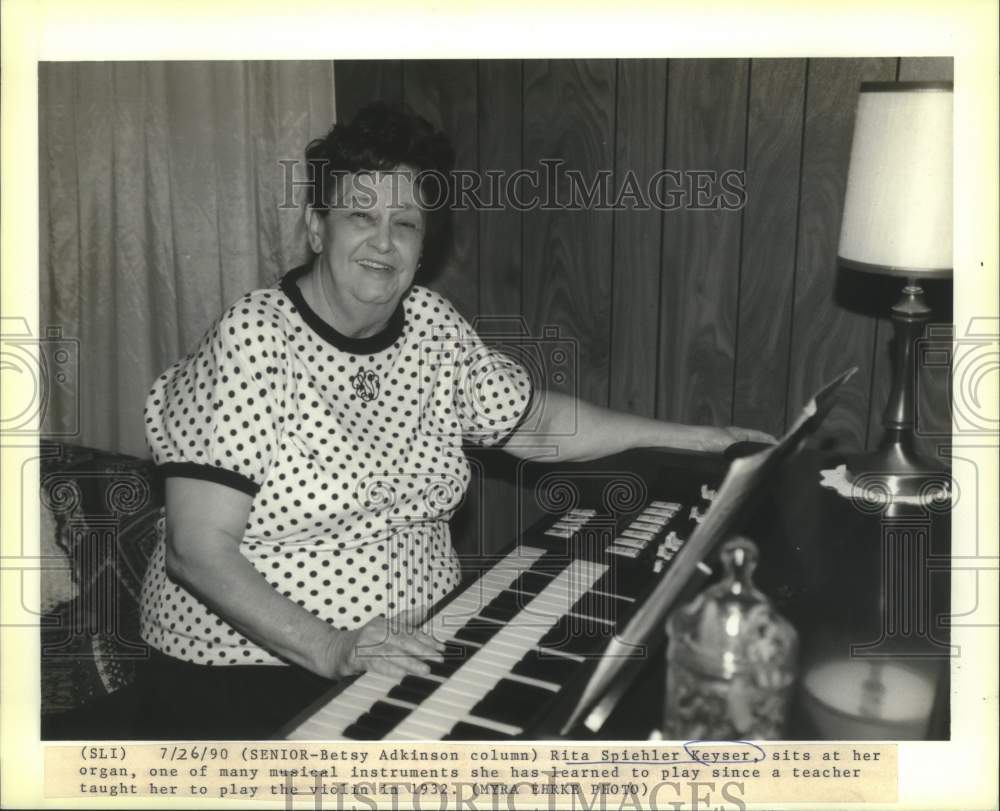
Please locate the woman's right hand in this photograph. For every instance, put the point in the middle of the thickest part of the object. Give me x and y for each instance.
(393, 647)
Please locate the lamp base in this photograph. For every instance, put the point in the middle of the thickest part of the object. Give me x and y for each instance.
(900, 473)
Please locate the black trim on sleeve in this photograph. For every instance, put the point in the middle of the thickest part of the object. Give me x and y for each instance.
(209, 473)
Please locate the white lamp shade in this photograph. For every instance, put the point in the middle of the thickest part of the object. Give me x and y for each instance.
(898, 208)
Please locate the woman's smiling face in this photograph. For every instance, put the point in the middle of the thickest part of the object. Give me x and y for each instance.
(371, 238)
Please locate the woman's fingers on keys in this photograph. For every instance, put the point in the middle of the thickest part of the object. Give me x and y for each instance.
(408, 662)
(429, 641)
(391, 659)
(413, 645)
(387, 667)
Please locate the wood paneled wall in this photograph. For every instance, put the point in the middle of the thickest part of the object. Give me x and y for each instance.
(724, 317)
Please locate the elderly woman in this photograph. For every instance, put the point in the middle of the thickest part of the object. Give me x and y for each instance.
(312, 452)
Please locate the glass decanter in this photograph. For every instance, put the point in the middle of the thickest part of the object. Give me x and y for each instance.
(731, 658)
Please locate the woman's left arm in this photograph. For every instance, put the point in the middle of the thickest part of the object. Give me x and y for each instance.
(583, 431)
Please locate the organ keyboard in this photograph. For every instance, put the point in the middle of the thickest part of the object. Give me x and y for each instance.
(522, 639)
(521, 636)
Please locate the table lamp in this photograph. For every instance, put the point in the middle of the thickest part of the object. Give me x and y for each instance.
(898, 222)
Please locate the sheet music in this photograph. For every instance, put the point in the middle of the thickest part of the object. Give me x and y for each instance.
(744, 481)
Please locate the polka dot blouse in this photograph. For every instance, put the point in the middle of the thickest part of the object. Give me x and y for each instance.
(350, 448)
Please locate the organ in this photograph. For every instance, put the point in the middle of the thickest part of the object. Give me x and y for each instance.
(549, 637)
(520, 637)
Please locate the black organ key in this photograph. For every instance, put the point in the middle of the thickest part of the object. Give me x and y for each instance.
(500, 613)
(577, 635)
(622, 579)
(512, 703)
(480, 633)
(505, 606)
(547, 667)
(463, 731)
(531, 582)
(388, 713)
(413, 689)
(355, 732)
(446, 668)
(600, 606)
(455, 655)
(456, 651)
(377, 722)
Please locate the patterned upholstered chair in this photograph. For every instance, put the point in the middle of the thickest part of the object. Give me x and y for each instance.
(100, 515)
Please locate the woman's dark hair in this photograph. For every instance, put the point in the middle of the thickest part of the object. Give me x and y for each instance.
(382, 137)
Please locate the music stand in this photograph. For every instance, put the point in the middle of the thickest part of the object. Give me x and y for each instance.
(744, 483)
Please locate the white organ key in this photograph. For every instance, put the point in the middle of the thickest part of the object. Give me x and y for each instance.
(545, 685)
(623, 551)
(421, 731)
(495, 668)
(438, 711)
(558, 606)
(341, 711)
(460, 610)
(561, 654)
(545, 604)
